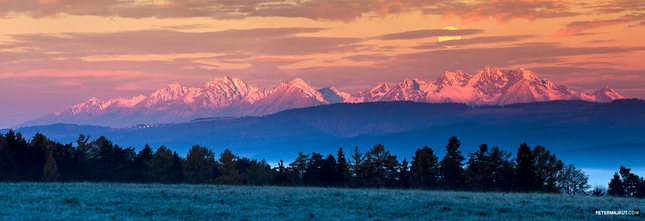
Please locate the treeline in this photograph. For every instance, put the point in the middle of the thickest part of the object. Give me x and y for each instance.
(627, 184)
(487, 169)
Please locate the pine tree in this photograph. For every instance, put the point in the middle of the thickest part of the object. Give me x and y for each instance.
(228, 170)
(547, 167)
(525, 174)
(424, 172)
(378, 168)
(501, 170)
(630, 181)
(641, 188)
(81, 159)
(258, 173)
(328, 171)
(50, 171)
(177, 169)
(616, 186)
(478, 172)
(313, 174)
(35, 157)
(403, 176)
(451, 170)
(159, 167)
(199, 165)
(298, 168)
(356, 163)
(343, 174)
(139, 168)
(281, 174)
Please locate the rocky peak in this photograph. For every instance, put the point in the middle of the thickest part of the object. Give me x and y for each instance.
(408, 84)
(606, 94)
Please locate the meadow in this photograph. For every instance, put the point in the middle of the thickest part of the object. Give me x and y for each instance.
(119, 201)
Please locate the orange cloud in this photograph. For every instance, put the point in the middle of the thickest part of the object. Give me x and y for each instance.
(578, 27)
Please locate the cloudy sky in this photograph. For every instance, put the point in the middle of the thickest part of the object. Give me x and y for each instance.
(57, 53)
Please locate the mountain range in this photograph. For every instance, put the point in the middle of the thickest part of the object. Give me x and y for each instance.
(229, 96)
(401, 126)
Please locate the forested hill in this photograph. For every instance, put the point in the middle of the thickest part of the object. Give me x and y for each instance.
(401, 126)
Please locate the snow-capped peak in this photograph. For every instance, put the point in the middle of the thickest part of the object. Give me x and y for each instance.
(128, 102)
(491, 70)
(408, 83)
(95, 105)
(300, 84)
(332, 95)
(520, 73)
(229, 96)
(457, 78)
(605, 94)
(382, 87)
(225, 80)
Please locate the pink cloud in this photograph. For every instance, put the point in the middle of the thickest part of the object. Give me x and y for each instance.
(325, 10)
(316, 9)
(590, 78)
(503, 10)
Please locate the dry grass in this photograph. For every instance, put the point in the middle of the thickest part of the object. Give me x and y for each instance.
(106, 201)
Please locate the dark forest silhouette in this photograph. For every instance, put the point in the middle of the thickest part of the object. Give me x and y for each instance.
(487, 169)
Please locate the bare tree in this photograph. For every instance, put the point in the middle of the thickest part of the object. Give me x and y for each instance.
(573, 181)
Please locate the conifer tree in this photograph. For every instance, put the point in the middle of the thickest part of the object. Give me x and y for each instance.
(424, 172)
(357, 159)
(313, 174)
(257, 173)
(525, 174)
(403, 176)
(616, 186)
(641, 188)
(378, 168)
(281, 174)
(199, 165)
(328, 171)
(547, 167)
(81, 159)
(50, 171)
(343, 174)
(140, 168)
(501, 170)
(228, 169)
(630, 181)
(298, 168)
(177, 168)
(159, 168)
(478, 172)
(451, 166)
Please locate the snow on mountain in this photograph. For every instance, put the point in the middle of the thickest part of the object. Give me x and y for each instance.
(229, 96)
(286, 95)
(375, 94)
(605, 94)
(162, 98)
(332, 95)
(95, 106)
(488, 87)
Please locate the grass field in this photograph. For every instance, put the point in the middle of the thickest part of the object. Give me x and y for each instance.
(107, 201)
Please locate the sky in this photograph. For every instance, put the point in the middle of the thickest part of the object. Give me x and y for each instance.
(58, 53)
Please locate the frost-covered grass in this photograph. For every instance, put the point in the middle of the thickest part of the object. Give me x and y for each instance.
(107, 201)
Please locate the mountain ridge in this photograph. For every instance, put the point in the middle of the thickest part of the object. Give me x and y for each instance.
(230, 96)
